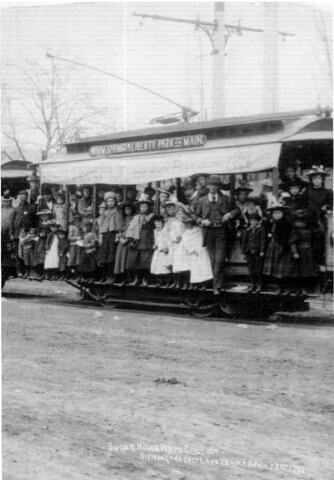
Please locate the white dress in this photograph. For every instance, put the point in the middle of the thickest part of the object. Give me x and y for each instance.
(200, 265)
(159, 265)
(179, 258)
(52, 257)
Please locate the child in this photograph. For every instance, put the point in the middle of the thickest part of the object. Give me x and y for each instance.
(198, 256)
(97, 223)
(178, 259)
(140, 241)
(88, 262)
(51, 264)
(294, 199)
(59, 210)
(39, 254)
(303, 265)
(276, 262)
(122, 247)
(44, 218)
(63, 249)
(73, 207)
(159, 265)
(111, 225)
(20, 263)
(253, 247)
(74, 234)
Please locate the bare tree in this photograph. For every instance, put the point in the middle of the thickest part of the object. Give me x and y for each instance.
(54, 111)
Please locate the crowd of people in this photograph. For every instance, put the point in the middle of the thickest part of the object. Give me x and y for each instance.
(183, 244)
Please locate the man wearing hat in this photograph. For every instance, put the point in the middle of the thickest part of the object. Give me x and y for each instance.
(245, 206)
(192, 196)
(213, 213)
(47, 201)
(23, 216)
(33, 192)
(200, 181)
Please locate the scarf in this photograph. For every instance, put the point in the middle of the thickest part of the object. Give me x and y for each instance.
(133, 230)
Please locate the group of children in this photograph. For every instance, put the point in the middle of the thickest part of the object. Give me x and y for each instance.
(128, 244)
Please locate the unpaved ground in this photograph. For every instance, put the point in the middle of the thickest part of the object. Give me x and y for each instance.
(78, 384)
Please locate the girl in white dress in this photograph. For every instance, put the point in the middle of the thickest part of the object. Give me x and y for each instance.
(159, 265)
(199, 260)
(179, 258)
(51, 263)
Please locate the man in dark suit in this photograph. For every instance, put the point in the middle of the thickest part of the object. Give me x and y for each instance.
(23, 216)
(213, 212)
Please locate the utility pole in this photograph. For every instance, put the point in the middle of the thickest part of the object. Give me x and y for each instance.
(218, 90)
(270, 67)
(218, 33)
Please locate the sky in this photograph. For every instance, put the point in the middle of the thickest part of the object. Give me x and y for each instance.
(170, 58)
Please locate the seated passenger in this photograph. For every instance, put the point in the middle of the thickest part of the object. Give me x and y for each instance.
(254, 248)
(60, 211)
(290, 175)
(85, 204)
(199, 259)
(140, 235)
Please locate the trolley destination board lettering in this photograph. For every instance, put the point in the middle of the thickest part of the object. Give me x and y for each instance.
(153, 145)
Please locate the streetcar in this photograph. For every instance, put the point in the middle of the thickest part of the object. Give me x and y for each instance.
(253, 149)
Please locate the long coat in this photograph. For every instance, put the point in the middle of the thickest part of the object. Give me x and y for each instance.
(23, 217)
(225, 206)
(254, 240)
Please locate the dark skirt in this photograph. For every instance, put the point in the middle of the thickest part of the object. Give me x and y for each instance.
(63, 263)
(74, 255)
(87, 262)
(120, 261)
(107, 250)
(305, 266)
(276, 263)
(139, 259)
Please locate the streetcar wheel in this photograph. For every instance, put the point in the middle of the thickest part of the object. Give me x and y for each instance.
(200, 313)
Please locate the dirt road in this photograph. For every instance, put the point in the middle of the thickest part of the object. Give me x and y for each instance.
(116, 395)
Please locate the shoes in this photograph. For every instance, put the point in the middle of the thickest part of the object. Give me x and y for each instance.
(25, 275)
(184, 286)
(144, 283)
(258, 289)
(216, 291)
(120, 284)
(134, 282)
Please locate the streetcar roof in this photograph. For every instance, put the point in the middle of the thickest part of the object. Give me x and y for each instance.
(240, 154)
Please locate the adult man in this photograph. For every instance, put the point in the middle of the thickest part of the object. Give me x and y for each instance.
(46, 202)
(191, 195)
(213, 212)
(23, 216)
(33, 192)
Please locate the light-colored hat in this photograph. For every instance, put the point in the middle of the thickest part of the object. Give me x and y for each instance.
(214, 180)
(45, 212)
(143, 198)
(109, 194)
(277, 206)
(318, 170)
(103, 205)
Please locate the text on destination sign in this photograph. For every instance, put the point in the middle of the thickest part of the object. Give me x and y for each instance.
(156, 144)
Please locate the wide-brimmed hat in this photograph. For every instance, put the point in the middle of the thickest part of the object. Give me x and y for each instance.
(109, 194)
(195, 177)
(53, 223)
(143, 198)
(243, 186)
(103, 205)
(23, 192)
(267, 182)
(161, 190)
(149, 191)
(277, 206)
(255, 216)
(45, 211)
(6, 200)
(318, 170)
(172, 200)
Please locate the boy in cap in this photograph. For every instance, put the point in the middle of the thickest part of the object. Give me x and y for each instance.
(253, 248)
(213, 213)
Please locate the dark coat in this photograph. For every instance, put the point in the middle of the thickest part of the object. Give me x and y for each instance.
(23, 216)
(316, 198)
(285, 184)
(39, 252)
(63, 246)
(224, 203)
(254, 241)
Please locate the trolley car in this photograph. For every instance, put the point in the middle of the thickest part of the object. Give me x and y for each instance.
(246, 148)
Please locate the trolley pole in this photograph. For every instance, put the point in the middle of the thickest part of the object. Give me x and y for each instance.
(270, 69)
(218, 80)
